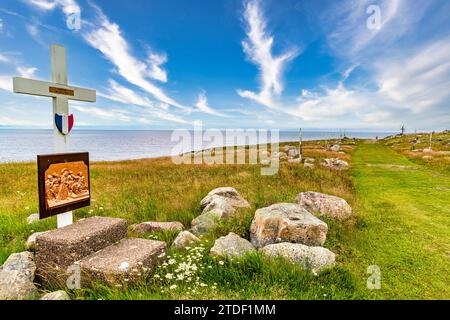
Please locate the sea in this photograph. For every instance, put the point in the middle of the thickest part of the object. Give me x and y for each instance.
(20, 145)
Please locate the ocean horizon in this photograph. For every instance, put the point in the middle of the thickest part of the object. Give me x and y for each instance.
(23, 145)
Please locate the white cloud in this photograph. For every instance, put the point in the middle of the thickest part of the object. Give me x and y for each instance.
(1, 25)
(32, 30)
(119, 93)
(108, 39)
(202, 105)
(68, 6)
(258, 49)
(3, 58)
(417, 81)
(6, 121)
(114, 114)
(155, 71)
(6, 82)
(26, 72)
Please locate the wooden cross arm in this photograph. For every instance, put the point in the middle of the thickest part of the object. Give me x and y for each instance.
(54, 90)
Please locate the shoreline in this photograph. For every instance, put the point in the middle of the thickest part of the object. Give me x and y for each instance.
(192, 152)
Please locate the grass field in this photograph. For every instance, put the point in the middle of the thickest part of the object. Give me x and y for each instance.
(401, 223)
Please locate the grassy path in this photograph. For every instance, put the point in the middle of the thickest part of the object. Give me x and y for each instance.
(404, 224)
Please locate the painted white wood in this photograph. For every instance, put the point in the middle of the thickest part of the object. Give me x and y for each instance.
(59, 64)
(42, 88)
(61, 93)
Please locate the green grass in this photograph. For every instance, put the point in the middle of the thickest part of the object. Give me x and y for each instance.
(400, 223)
(404, 223)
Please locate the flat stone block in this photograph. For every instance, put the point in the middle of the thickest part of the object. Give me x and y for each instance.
(56, 250)
(124, 263)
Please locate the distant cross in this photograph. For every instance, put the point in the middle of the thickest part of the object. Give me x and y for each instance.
(61, 93)
(300, 140)
(431, 137)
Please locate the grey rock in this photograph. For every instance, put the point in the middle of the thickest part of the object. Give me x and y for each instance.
(286, 222)
(315, 258)
(324, 205)
(230, 194)
(30, 245)
(16, 277)
(231, 246)
(56, 295)
(335, 148)
(32, 218)
(292, 152)
(205, 222)
(309, 165)
(220, 204)
(335, 163)
(185, 239)
(310, 160)
(154, 226)
(296, 160)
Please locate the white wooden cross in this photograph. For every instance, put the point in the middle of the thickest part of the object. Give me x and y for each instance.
(60, 93)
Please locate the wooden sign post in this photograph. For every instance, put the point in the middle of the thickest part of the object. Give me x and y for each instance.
(60, 93)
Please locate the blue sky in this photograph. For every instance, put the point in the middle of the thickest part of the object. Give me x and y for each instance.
(234, 64)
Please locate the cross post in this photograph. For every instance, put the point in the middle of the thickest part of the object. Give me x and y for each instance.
(61, 93)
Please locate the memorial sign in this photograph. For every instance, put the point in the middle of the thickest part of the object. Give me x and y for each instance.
(64, 183)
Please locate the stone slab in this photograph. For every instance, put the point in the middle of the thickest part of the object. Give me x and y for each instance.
(56, 250)
(126, 262)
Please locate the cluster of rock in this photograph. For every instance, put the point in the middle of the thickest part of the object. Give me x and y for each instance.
(289, 230)
(99, 249)
(291, 155)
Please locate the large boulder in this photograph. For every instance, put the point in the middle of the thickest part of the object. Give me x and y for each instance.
(231, 246)
(154, 226)
(324, 205)
(220, 204)
(184, 239)
(315, 258)
(205, 222)
(56, 295)
(286, 222)
(335, 163)
(16, 277)
(229, 194)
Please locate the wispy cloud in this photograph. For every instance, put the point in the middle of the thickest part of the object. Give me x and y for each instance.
(109, 40)
(3, 58)
(418, 81)
(155, 70)
(115, 114)
(202, 105)
(68, 6)
(258, 49)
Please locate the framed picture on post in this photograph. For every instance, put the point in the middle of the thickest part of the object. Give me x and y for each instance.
(64, 183)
